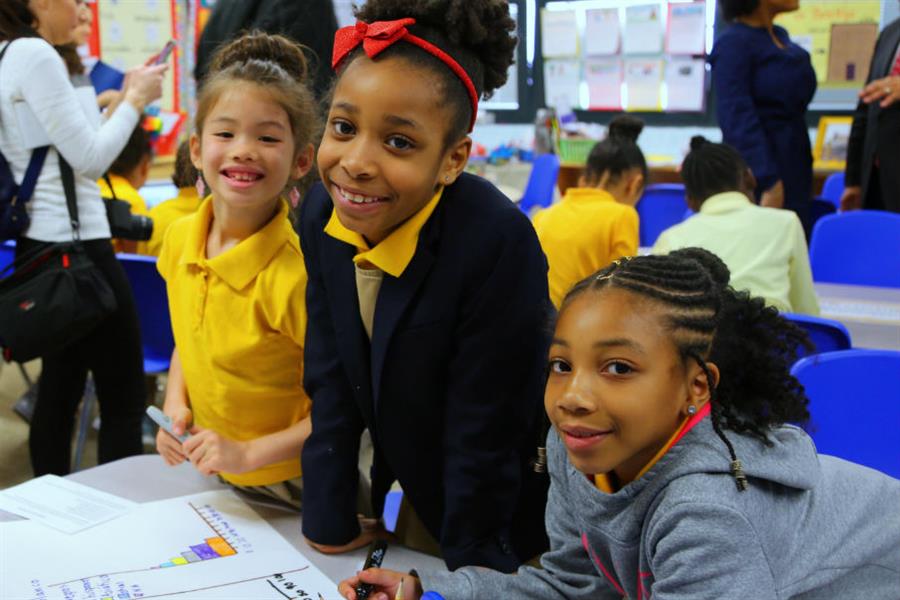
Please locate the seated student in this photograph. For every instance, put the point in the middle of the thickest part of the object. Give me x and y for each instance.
(764, 248)
(189, 184)
(596, 223)
(673, 471)
(127, 175)
(235, 278)
(427, 295)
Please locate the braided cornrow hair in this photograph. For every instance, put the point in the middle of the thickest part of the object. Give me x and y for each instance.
(708, 320)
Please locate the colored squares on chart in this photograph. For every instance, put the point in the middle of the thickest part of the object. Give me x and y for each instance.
(214, 547)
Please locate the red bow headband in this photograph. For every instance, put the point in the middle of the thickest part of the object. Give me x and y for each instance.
(379, 36)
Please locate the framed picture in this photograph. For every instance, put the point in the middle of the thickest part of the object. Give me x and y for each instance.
(831, 143)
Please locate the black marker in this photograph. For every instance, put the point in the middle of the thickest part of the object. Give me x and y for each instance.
(376, 555)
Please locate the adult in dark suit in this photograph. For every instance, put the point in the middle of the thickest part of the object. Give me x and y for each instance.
(450, 386)
(872, 177)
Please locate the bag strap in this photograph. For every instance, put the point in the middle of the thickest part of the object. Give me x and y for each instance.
(68, 179)
(35, 164)
(109, 184)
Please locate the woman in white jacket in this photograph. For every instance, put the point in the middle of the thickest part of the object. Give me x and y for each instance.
(34, 81)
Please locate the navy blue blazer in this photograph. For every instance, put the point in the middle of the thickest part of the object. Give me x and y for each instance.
(450, 387)
(762, 93)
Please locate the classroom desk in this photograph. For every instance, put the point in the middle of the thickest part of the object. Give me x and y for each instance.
(662, 173)
(147, 478)
(871, 314)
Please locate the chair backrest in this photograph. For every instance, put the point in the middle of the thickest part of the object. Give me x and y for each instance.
(7, 253)
(858, 247)
(661, 206)
(153, 310)
(854, 400)
(833, 189)
(541, 183)
(825, 334)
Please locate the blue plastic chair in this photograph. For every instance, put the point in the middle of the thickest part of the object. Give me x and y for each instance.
(661, 206)
(825, 334)
(858, 247)
(7, 254)
(833, 189)
(854, 399)
(541, 183)
(149, 290)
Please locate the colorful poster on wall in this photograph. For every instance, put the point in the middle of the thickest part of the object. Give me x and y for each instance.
(643, 84)
(604, 79)
(811, 27)
(131, 32)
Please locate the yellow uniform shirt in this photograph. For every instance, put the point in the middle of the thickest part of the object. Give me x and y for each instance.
(583, 233)
(394, 253)
(764, 248)
(125, 191)
(165, 213)
(239, 321)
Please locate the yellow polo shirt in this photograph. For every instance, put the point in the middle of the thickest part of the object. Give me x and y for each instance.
(239, 321)
(581, 234)
(125, 192)
(165, 213)
(394, 253)
(764, 248)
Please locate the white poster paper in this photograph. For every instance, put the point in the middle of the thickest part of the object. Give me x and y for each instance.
(687, 29)
(643, 29)
(685, 84)
(601, 32)
(643, 84)
(562, 83)
(604, 79)
(559, 33)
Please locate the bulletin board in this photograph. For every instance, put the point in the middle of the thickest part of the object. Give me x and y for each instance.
(840, 37)
(635, 55)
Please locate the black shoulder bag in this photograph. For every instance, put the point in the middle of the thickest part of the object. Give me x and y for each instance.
(54, 295)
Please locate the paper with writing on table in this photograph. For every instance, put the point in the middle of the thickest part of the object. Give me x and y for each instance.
(63, 504)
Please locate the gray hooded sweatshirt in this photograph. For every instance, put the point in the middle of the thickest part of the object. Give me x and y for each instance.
(809, 526)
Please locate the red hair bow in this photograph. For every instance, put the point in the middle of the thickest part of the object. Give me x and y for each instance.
(375, 38)
(379, 36)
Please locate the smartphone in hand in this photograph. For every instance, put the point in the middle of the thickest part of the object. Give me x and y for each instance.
(163, 55)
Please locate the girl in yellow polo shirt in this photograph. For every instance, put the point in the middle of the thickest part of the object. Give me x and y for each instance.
(236, 279)
(596, 223)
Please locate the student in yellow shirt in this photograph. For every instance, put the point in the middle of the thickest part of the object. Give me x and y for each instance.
(596, 223)
(764, 248)
(235, 276)
(189, 184)
(125, 177)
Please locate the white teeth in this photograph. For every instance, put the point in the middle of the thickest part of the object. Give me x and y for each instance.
(358, 198)
(243, 176)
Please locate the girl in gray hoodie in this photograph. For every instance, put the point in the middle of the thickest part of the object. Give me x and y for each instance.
(673, 472)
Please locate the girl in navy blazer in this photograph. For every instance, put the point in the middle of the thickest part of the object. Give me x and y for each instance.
(427, 294)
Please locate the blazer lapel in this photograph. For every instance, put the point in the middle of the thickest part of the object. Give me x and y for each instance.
(351, 338)
(395, 296)
(885, 60)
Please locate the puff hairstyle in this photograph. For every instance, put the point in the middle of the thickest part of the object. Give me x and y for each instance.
(707, 320)
(711, 169)
(618, 153)
(476, 33)
(276, 65)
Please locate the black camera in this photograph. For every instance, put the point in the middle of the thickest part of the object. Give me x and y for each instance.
(125, 225)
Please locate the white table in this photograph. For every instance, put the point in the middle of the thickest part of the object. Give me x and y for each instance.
(871, 314)
(147, 478)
